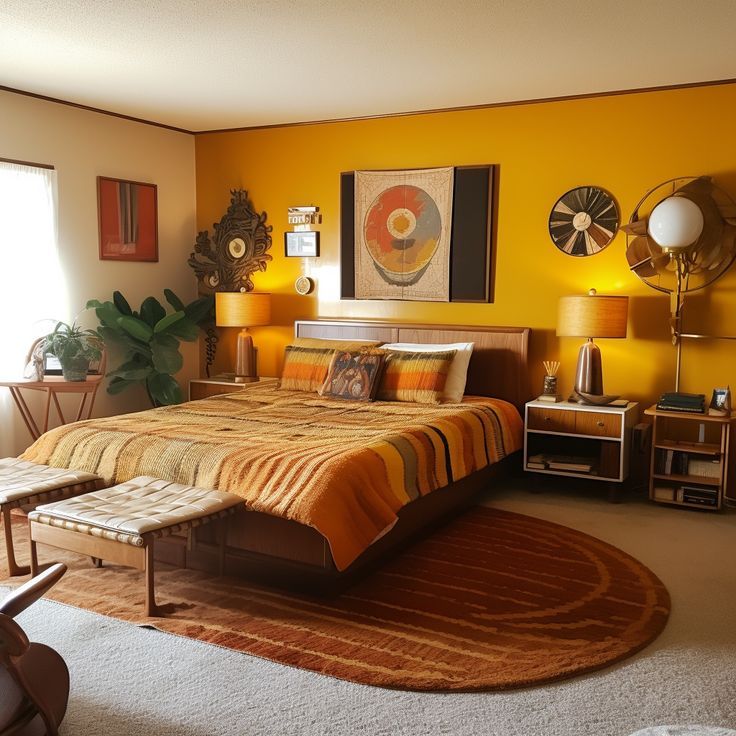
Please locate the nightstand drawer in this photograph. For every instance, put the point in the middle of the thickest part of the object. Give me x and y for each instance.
(598, 424)
(551, 420)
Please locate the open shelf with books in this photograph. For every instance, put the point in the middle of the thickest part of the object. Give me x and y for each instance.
(690, 459)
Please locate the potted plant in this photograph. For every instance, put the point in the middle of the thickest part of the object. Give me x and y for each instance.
(74, 347)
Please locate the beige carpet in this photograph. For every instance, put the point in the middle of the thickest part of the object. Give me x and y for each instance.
(495, 600)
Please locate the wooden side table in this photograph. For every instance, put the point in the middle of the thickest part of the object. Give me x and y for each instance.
(204, 388)
(691, 454)
(579, 440)
(53, 386)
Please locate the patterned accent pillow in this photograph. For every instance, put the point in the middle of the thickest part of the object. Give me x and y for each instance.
(419, 377)
(353, 375)
(305, 369)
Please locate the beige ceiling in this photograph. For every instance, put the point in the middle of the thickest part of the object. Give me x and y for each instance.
(229, 63)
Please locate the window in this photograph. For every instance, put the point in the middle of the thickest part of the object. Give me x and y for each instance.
(33, 292)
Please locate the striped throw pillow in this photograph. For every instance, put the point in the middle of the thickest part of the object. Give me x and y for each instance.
(305, 369)
(419, 377)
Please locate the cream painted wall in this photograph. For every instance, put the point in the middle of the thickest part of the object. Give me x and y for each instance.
(82, 145)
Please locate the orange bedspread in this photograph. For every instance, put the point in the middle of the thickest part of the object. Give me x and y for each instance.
(345, 468)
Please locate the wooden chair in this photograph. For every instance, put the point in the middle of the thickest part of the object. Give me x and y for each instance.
(34, 679)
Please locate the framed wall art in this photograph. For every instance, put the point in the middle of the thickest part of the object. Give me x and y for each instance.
(302, 244)
(419, 235)
(128, 220)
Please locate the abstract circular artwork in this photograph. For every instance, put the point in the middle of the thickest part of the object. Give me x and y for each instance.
(583, 221)
(402, 231)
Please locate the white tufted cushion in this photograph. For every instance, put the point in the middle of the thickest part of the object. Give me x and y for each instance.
(141, 506)
(22, 481)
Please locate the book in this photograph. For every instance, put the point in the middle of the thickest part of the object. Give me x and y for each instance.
(569, 462)
(662, 406)
(536, 462)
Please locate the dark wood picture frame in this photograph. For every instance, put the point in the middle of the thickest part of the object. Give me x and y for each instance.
(127, 213)
(474, 218)
(295, 242)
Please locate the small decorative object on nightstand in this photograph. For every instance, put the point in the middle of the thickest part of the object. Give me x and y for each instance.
(549, 392)
(578, 440)
(691, 454)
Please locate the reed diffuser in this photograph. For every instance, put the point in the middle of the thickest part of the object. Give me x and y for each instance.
(549, 392)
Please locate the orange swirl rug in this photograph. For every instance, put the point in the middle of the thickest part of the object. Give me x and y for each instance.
(494, 600)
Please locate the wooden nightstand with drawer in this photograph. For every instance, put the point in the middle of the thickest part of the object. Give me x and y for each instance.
(579, 440)
(204, 388)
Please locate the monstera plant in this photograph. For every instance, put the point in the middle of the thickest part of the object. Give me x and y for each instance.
(149, 340)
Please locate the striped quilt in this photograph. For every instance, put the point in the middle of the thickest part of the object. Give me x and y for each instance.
(345, 468)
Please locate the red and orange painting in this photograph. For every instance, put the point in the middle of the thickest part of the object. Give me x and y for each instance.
(128, 220)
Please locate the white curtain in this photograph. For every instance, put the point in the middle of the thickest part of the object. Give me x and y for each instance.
(33, 292)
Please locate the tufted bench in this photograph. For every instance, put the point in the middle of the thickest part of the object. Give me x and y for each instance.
(121, 523)
(24, 484)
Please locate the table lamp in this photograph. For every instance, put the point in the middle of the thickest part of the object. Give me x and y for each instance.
(243, 309)
(590, 316)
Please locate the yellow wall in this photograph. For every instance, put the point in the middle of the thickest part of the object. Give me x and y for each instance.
(625, 144)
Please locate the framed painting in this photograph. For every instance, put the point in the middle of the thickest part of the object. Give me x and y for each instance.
(302, 244)
(420, 235)
(128, 220)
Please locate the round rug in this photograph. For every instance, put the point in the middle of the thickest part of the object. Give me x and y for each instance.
(493, 600)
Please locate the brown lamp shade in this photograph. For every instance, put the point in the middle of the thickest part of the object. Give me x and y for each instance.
(242, 308)
(591, 315)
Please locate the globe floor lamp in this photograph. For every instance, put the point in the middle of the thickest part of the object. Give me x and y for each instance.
(593, 316)
(243, 309)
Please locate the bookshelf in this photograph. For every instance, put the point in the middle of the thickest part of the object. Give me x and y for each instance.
(690, 459)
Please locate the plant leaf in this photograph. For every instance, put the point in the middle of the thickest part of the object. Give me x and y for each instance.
(136, 328)
(174, 300)
(108, 314)
(164, 389)
(184, 329)
(122, 304)
(200, 309)
(119, 384)
(151, 311)
(163, 324)
(166, 356)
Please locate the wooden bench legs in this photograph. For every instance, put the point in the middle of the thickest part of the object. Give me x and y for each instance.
(13, 567)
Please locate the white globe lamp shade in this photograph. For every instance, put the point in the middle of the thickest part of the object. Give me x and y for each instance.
(675, 223)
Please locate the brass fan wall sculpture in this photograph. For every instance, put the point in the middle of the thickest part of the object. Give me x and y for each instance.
(682, 237)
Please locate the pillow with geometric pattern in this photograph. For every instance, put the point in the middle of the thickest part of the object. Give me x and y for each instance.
(419, 377)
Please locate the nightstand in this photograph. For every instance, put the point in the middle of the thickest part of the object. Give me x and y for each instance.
(579, 440)
(204, 388)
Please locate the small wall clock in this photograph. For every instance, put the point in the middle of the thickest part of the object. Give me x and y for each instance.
(584, 221)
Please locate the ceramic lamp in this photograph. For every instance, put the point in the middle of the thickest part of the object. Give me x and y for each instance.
(243, 309)
(590, 316)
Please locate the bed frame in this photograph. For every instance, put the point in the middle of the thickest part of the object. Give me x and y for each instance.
(281, 552)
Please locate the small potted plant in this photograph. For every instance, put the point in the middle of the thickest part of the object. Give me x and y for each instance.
(75, 348)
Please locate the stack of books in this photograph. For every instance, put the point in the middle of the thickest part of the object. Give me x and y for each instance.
(677, 401)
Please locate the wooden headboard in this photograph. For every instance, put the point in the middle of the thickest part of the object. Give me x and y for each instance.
(498, 366)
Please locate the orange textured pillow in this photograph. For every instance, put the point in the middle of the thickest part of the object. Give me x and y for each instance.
(419, 377)
(305, 369)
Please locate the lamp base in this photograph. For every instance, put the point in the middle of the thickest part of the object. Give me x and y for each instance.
(245, 359)
(594, 399)
(589, 374)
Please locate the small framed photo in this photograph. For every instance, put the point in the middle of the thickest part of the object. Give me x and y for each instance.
(302, 244)
(720, 402)
(128, 219)
(51, 365)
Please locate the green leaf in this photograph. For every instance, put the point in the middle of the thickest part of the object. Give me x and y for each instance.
(200, 309)
(122, 304)
(174, 300)
(117, 385)
(184, 329)
(134, 369)
(164, 389)
(166, 355)
(151, 311)
(136, 328)
(163, 324)
(108, 314)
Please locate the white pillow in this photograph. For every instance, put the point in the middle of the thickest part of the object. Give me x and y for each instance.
(458, 374)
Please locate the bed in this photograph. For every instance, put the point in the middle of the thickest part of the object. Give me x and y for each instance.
(300, 532)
